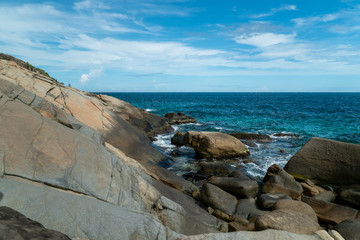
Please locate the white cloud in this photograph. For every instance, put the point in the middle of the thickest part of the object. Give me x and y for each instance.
(90, 5)
(275, 10)
(264, 39)
(313, 20)
(92, 74)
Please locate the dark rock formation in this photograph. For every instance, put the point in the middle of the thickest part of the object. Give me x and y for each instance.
(250, 138)
(215, 169)
(179, 118)
(326, 161)
(277, 180)
(246, 209)
(351, 195)
(178, 139)
(14, 225)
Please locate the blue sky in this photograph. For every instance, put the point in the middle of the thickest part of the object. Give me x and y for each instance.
(189, 45)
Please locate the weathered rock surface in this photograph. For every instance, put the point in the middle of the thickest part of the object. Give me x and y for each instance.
(267, 200)
(217, 198)
(14, 225)
(269, 234)
(330, 212)
(237, 187)
(40, 140)
(277, 180)
(349, 229)
(296, 206)
(351, 195)
(215, 145)
(179, 118)
(215, 169)
(310, 189)
(78, 215)
(287, 220)
(121, 124)
(326, 161)
(246, 208)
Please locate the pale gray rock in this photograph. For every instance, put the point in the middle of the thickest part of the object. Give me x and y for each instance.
(217, 198)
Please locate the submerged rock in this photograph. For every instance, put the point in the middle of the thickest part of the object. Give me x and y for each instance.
(253, 137)
(326, 161)
(179, 118)
(215, 145)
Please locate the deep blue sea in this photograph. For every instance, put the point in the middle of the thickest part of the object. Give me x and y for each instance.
(328, 115)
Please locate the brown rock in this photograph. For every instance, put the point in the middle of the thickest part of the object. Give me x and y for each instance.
(215, 145)
(310, 189)
(277, 180)
(327, 196)
(223, 216)
(296, 206)
(326, 161)
(235, 226)
(218, 199)
(252, 137)
(330, 212)
(287, 220)
(237, 187)
(178, 139)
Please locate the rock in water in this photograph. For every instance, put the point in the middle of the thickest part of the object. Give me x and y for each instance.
(277, 180)
(252, 137)
(179, 118)
(326, 161)
(288, 220)
(215, 145)
(14, 225)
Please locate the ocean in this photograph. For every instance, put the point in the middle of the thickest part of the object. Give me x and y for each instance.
(328, 115)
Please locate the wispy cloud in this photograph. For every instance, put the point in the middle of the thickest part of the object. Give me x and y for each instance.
(264, 39)
(275, 10)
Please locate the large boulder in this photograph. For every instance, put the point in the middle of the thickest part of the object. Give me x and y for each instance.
(215, 145)
(237, 187)
(217, 198)
(330, 212)
(296, 206)
(179, 118)
(277, 180)
(178, 139)
(14, 225)
(349, 229)
(326, 161)
(288, 220)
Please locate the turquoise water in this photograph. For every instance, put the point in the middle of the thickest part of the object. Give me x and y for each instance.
(328, 115)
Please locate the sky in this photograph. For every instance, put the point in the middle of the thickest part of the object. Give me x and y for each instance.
(189, 45)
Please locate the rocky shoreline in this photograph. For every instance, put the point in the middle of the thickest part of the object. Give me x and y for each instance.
(83, 164)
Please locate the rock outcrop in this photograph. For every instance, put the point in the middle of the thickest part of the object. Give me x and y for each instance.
(58, 166)
(179, 118)
(215, 145)
(326, 161)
